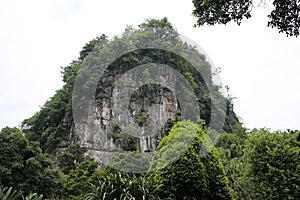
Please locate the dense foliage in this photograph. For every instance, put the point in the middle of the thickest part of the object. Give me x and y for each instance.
(261, 164)
(285, 16)
(24, 167)
(274, 165)
(190, 176)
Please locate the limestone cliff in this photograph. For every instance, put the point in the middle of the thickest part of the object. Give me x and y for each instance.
(156, 104)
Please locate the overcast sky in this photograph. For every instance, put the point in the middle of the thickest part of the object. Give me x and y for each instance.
(260, 66)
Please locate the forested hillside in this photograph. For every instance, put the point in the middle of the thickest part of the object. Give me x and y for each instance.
(48, 159)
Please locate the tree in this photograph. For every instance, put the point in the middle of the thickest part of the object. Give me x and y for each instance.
(191, 176)
(274, 167)
(129, 161)
(78, 179)
(24, 167)
(231, 147)
(71, 157)
(163, 23)
(88, 48)
(285, 16)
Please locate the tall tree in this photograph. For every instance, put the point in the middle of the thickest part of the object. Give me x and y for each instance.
(285, 16)
(274, 166)
(231, 147)
(24, 167)
(191, 176)
(71, 157)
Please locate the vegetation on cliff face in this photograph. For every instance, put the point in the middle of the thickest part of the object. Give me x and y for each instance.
(53, 125)
(44, 156)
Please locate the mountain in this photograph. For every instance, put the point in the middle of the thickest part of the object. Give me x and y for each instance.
(124, 94)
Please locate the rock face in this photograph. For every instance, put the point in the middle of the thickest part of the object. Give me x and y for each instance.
(148, 110)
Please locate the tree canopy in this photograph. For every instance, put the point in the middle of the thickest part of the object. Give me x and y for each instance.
(191, 176)
(24, 167)
(285, 16)
(274, 166)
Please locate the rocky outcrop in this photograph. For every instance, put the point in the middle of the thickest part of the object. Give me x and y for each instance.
(149, 108)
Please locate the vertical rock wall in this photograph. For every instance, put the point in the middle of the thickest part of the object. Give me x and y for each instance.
(150, 103)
